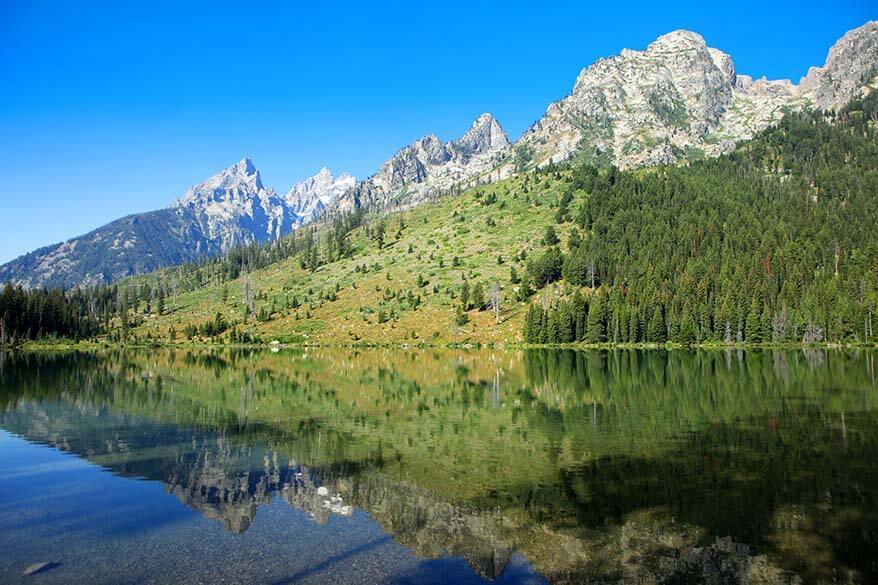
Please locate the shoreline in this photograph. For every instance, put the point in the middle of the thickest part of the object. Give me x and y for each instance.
(37, 346)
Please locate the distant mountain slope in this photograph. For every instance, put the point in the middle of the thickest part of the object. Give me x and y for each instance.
(131, 245)
(228, 209)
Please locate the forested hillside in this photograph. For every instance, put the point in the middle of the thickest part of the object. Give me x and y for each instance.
(775, 242)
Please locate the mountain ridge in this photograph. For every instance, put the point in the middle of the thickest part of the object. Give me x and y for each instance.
(677, 99)
(429, 166)
(230, 208)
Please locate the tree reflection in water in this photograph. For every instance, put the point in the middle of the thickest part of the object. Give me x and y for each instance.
(602, 465)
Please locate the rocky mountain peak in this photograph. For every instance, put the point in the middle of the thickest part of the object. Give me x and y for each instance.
(431, 150)
(240, 181)
(678, 40)
(858, 41)
(243, 172)
(679, 98)
(307, 199)
(484, 135)
(321, 180)
(233, 207)
(852, 63)
(245, 166)
(429, 166)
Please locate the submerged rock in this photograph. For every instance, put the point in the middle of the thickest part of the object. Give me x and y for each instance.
(39, 568)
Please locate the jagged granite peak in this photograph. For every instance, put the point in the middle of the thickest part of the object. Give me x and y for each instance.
(429, 166)
(851, 63)
(231, 207)
(679, 98)
(431, 150)
(234, 207)
(307, 199)
(639, 107)
(484, 135)
(240, 181)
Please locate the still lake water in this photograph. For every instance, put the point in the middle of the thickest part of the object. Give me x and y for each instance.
(410, 466)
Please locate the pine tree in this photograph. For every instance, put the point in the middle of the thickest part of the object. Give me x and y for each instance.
(655, 330)
(553, 330)
(634, 328)
(465, 296)
(753, 326)
(531, 322)
(477, 296)
(687, 325)
(566, 324)
(597, 326)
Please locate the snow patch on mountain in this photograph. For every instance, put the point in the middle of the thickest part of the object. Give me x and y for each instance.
(308, 199)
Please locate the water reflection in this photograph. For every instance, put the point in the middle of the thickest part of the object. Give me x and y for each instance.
(624, 465)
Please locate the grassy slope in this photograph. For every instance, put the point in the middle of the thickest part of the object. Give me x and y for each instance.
(432, 229)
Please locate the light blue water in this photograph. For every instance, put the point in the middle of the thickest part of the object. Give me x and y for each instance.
(101, 528)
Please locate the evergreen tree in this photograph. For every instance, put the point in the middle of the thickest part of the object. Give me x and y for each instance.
(687, 326)
(477, 296)
(465, 296)
(753, 327)
(655, 330)
(597, 319)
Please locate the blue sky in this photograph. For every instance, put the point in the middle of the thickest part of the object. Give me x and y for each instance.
(112, 108)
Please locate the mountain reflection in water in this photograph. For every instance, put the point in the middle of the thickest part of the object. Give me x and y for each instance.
(606, 466)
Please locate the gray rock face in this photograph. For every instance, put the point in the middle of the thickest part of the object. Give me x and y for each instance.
(852, 62)
(406, 167)
(679, 98)
(428, 166)
(232, 207)
(485, 135)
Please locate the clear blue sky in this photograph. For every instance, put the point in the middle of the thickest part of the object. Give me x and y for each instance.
(109, 108)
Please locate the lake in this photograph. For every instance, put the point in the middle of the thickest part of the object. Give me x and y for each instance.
(436, 466)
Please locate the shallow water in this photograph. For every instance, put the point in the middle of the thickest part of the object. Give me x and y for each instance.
(405, 466)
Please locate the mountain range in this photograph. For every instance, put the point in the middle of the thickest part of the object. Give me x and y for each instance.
(677, 100)
(229, 209)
